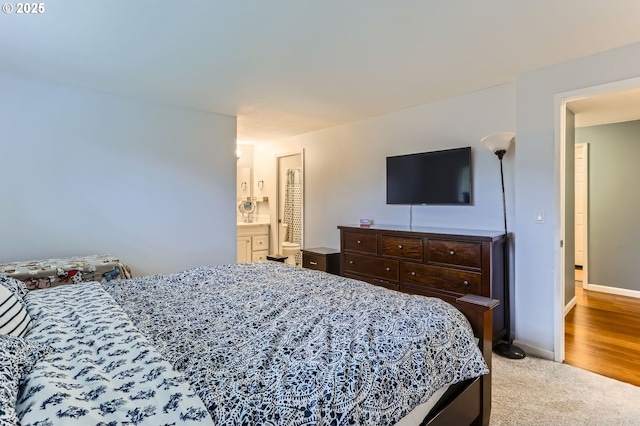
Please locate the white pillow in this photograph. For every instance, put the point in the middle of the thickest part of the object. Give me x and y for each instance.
(14, 318)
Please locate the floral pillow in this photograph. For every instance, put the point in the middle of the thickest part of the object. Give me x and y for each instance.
(16, 286)
(17, 357)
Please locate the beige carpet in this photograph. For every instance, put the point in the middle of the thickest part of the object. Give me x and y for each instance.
(533, 391)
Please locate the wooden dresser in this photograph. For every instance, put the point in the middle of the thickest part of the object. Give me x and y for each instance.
(446, 263)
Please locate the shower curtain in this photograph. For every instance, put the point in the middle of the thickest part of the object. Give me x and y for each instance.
(293, 209)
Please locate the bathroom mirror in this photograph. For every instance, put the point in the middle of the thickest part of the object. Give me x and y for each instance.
(243, 182)
(247, 207)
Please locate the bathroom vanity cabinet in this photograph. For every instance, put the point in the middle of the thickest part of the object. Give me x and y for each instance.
(253, 242)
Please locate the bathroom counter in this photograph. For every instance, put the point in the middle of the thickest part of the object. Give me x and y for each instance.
(243, 224)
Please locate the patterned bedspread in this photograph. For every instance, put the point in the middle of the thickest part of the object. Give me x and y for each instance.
(102, 370)
(272, 344)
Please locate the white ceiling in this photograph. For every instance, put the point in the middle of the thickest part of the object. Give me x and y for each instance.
(611, 107)
(294, 66)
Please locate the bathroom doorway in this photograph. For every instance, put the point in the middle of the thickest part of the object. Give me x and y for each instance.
(290, 206)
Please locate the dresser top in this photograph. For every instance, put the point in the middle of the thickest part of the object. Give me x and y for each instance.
(428, 230)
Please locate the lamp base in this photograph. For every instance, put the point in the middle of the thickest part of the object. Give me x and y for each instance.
(507, 350)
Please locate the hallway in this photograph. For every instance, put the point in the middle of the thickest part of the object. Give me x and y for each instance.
(602, 335)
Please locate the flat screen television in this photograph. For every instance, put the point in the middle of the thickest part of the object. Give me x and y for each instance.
(436, 177)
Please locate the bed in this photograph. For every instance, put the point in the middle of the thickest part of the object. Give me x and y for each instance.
(254, 343)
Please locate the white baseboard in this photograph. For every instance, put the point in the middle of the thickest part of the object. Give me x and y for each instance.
(612, 290)
(569, 306)
(535, 351)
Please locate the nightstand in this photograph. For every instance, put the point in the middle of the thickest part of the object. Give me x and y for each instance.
(322, 259)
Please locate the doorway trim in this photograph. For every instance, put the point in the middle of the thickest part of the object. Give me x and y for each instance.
(560, 105)
(278, 196)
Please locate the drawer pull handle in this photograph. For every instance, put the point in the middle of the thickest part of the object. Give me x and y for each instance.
(388, 269)
(451, 252)
(311, 262)
(351, 262)
(400, 246)
(359, 242)
(466, 282)
(413, 273)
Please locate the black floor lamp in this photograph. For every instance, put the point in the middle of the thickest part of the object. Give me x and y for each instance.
(499, 144)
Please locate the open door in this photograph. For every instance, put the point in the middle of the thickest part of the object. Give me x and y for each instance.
(569, 212)
(581, 192)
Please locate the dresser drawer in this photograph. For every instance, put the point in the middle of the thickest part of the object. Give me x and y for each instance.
(453, 280)
(260, 242)
(314, 261)
(371, 266)
(408, 248)
(454, 253)
(361, 242)
(259, 255)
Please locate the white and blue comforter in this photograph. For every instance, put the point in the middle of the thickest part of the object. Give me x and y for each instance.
(267, 343)
(102, 370)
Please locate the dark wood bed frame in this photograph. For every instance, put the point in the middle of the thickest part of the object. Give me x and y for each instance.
(471, 403)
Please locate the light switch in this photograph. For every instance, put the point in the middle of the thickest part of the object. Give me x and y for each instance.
(539, 216)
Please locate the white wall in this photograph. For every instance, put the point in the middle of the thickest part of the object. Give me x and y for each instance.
(345, 173)
(345, 176)
(246, 156)
(538, 272)
(86, 172)
(345, 166)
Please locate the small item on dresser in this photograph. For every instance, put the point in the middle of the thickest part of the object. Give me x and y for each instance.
(365, 223)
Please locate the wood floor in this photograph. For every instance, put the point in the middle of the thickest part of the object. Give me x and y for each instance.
(602, 334)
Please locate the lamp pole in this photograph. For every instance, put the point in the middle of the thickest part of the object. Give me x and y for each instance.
(507, 350)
